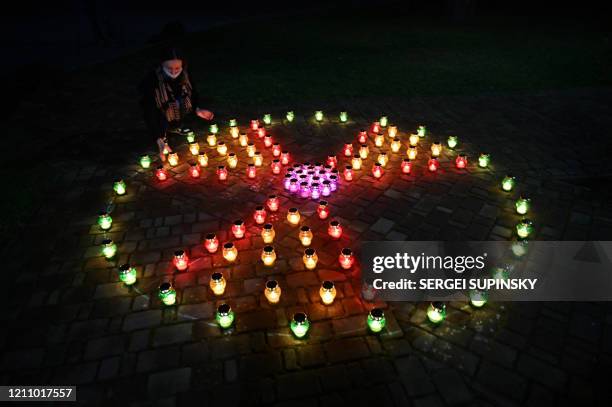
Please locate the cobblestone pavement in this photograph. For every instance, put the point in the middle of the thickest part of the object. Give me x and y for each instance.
(69, 320)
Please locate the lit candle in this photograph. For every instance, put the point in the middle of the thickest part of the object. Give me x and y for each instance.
(268, 233)
(508, 183)
(422, 131)
(290, 116)
(310, 258)
(254, 124)
(293, 216)
(406, 165)
(211, 243)
(194, 148)
(251, 150)
(362, 138)
(267, 119)
(181, 261)
(272, 291)
(161, 173)
(243, 140)
(379, 140)
(233, 123)
(127, 274)
(234, 132)
(461, 161)
(376, 127)
(276, 150)
(203, 160)
(299, 324)
(382, 159)
(334, 229)
(268, 256)
(392, 131)
(452, 142)
(251, 171)
(413, 140)
(173, 159)
(224, 316)
(343, 117)
(105, 221)
(221, 148)
(326, 188)
(436, 149)
(238, 229)
(346, 258)
(214, 129)
(273, 203)
(232, 160)
(145, 161)
(356, 162)
(257, 159)
(478, 298)
(221, 173)
(211, 139)
(285, 157)
(315, 191)
(332, 161)
(522, 205)
(396, 145)
(436, 312)
(194, 170)
(323, 210)
(364, 151)
(483, 160)
(377, 170)
(383, 121)
(376, 320)
(167, 294)
(268, 141)
(304, 189)
(230, 253)
(261, 132)
(524, 228)
(412, 152)
(327, 292)
(348, 149)
(217, 283)
(119, 187)
(190, 135)
(276, 166)
(520, 248)
(259, 215)
(348, 173)
(319, 115)
(109, 248)
(305, 236)
(433, 164)
(293, 185)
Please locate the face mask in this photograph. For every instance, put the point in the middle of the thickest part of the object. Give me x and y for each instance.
(171, 75)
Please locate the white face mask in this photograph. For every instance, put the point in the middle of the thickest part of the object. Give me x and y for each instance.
(170, 74)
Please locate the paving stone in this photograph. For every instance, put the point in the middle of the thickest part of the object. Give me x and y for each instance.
(169, 382)
(156, 359)
(346, 349)
(143, 319)
(311, 355)
(452, 387)
(297, 385)
(502, 381)
(382, 226)
(168, 335)
(106, 346)
(541, 372)
(109, 368)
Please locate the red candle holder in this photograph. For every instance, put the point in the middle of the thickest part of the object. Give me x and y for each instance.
(276, 166)
(406, 166)
(261, 131)
(346, 258)
(181, 261)
(238, 229)
(376, 127)
(260, 215)
(285, 157)
(211, 243)
(323, 210)
(268, 141)
(194, 170)
(273, 203)
(251, 171)
(461, 161)
(362, 138)
(161, 173)
(332, 161)
(276, 150)
(254, 124)
(334, 229)
(348, 173)
(377, 170)
(222, 173)
(433, 164)
(348, 150)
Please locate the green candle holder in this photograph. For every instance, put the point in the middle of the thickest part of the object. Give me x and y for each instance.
(267, 119)
(522, 205)
(484, 160)
(436, 312)
(376, 320)
(109, 248)
(214, 129)
(167, 294)
(478, 298)
(524, 228)
(145, 161)
(190, 136)
(127, 274)
(520, 248)
(105, 221)
(233, 123)
(452, 141)
(343, 117)
(299, 324)
(383, 121)
(422, 131)
(224, 316)
(119, 187)
(319, 115)
(508, 183)
(290, 116)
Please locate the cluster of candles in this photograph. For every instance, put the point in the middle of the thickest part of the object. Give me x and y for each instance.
(312, 180)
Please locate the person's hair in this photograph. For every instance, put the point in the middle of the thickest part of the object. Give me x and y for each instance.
(169, 53)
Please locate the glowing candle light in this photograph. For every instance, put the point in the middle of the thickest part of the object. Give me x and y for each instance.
(221, 173)
(327, 292)
(268, 141)
(167, 294)
(376, 127)
(508, 183)
(272, 291)
(305, 236)
(268, 256)
(383, 121)
(299, 324)
(233, 122)
(259, 216)
(524, 228)
(396, 145)
(332, 161)
(364, 151)
(243, 140)
(436, 149)
(461, 161)
(356, 162)
(433, 164)
(217, 283)
(319, 115)
(483, 160)
(173, 159)
(379, 140)
(333, 182)
(180, 261)
(234, 132)
(315, 191)
(109, 248)
(285, 157)
(232, 160)
(161, 173)
(452, 142)
(238, 229)
(261, 132)
(412, 152)
(520, 248)
(290, 116)
(500, 273)
(190, 136)
(194, 170)
(105, 221)
(343, 117)
(194, 148)
(119, 187)
(268, 233)
(251, 171)
(221, 148)
(348, 150)
(276, 166)
(310, 258)
(211, 243)
(348, 173)
(273, 203)
(326, 188)
(267, 119)
(334, 229)
(211, 139)
(145, 161)
(287, 181)
(230, 253)
(323, 210)
(224, 316)
(522, 205)
(422, 131)
(478, 298)
(166, 150)
(293, 216)
(257, 159)
(254, 124)
(376, 320)
(382, 159)
(436, 312)
(362, 137)
(127, 274)
(406, 166)
(276, 150)
(293, 185)
(304, 189)
(203, 160)
(377, 170)
(413, 140)
(346, 258)
(214, 129)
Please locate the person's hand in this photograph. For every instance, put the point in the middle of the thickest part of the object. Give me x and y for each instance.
(205, 114)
